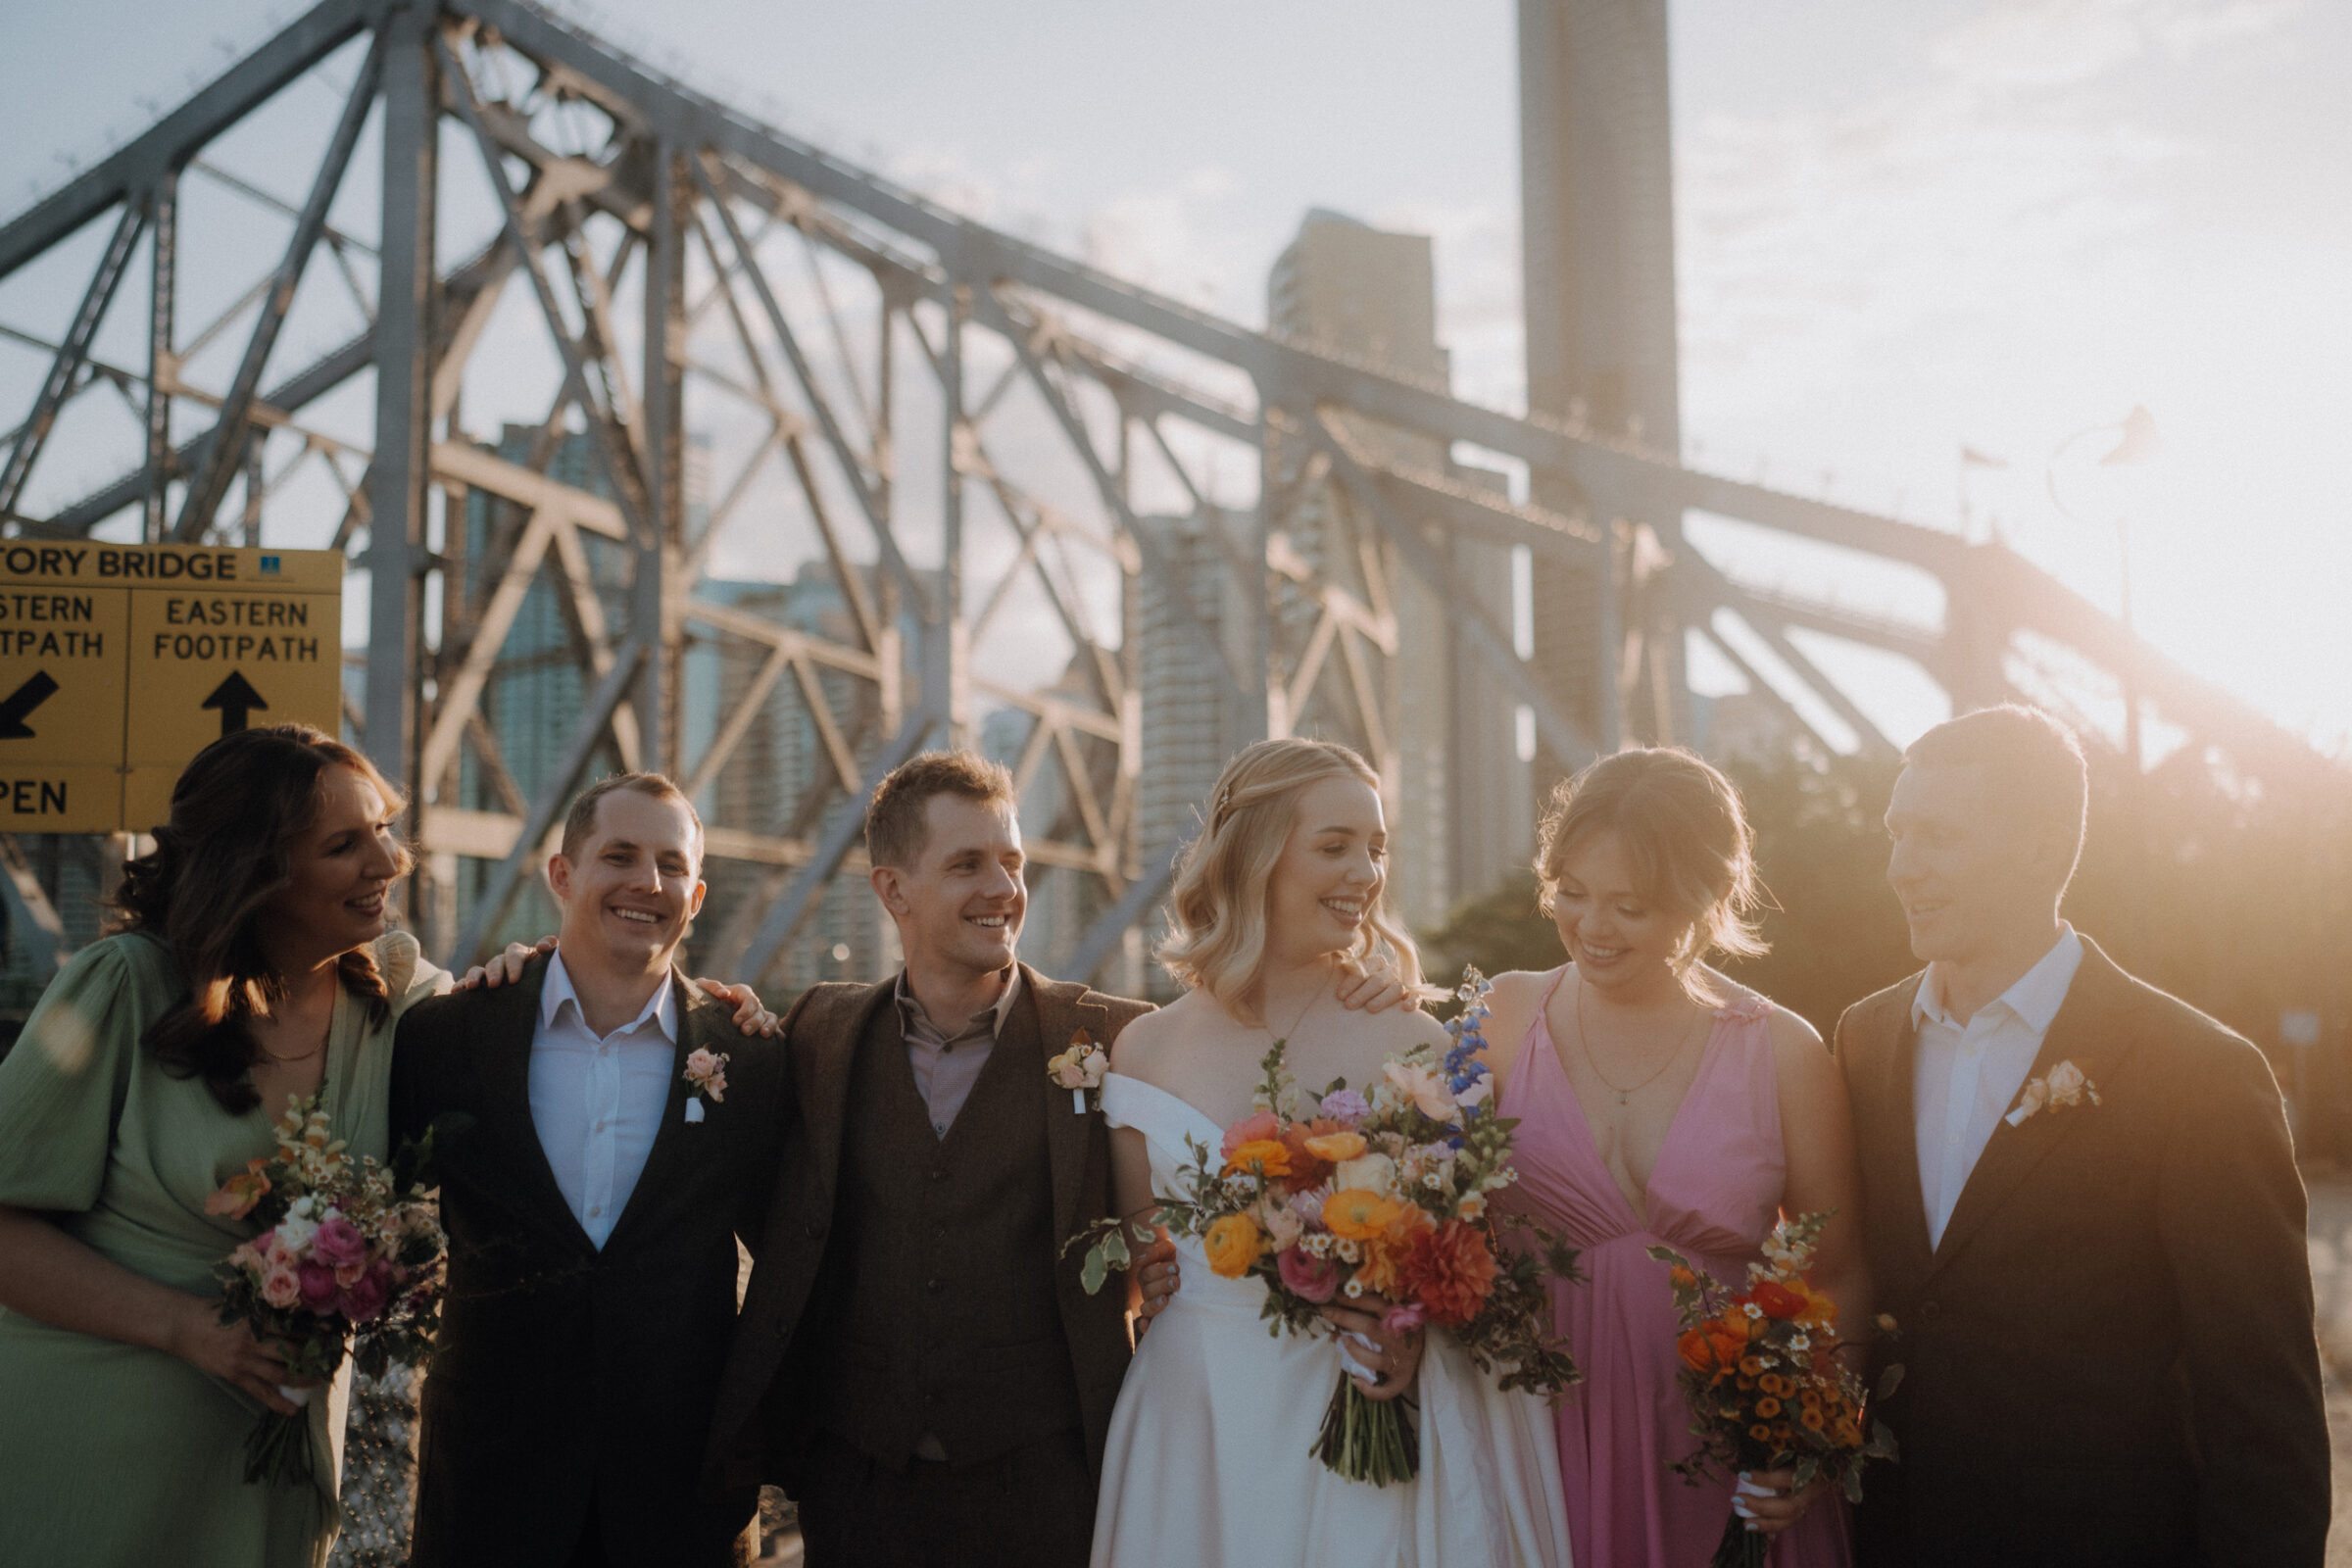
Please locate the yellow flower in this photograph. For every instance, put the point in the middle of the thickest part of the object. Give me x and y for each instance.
(1335, 1146)
(1260, 1157)
(1359, 1215)
(1232, 1243)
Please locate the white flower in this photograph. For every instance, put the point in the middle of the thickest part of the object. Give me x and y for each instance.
(295, 1232)
(1476, 1093)
(1371, 1173)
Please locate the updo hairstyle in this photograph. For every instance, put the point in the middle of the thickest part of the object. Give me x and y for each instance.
(1683, 830)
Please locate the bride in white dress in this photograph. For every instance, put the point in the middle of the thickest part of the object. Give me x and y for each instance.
(1210, 1457)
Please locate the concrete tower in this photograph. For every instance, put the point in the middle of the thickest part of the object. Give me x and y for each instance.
(1596, 199)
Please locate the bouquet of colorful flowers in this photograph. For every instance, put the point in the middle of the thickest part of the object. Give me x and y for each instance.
(350, 1254)
(1377, 1197)
(1766, 1391)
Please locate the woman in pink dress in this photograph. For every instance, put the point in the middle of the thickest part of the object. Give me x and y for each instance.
(1660, 1102)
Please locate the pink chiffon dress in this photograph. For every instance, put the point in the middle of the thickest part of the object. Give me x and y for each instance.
(1713, 1196)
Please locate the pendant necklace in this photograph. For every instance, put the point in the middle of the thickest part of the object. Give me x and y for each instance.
(1585, 1039)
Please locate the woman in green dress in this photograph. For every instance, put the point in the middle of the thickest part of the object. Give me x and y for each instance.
(251, 966)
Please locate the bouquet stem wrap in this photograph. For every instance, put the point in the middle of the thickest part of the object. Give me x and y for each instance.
(1364, 1439)
(1741, 1547)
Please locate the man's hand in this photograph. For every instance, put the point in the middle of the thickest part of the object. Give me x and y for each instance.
(1155, 1280)
(506, 967)
(1391, 1357)
(749, 1016)
(1373, 988)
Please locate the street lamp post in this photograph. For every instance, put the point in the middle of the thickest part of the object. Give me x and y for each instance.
(2138, 441)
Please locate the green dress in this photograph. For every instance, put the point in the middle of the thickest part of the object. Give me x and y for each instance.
(111, 1454)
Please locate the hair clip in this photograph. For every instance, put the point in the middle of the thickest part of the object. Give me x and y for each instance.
(1219, 806)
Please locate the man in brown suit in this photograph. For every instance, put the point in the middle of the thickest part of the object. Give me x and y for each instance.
(916, 1361)
(2081, 1206)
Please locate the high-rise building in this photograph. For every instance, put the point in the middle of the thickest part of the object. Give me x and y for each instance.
(1462, 811)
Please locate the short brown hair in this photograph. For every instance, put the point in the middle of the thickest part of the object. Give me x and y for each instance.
(1685, 829)
(896, 827)
(581, 821)
(2033, 767)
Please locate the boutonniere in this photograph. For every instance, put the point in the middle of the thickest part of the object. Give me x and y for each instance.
(1079, 1069)
(2066, 1086)
(705, 1079)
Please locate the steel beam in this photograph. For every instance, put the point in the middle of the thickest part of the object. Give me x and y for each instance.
(71, 353)
(402, 339)
(211, 480)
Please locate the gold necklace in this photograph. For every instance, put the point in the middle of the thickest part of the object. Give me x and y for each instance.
(1585, 1041)
(1313, 998)
(323, 1034)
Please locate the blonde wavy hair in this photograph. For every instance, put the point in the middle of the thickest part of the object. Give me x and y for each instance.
(1220, 940)
(1685, 829)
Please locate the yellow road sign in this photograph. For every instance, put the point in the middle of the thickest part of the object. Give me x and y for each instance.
(119, 663)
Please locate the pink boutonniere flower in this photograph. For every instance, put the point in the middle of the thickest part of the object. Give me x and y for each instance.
(705, 1079)
(1079, 1069)
(2065, 1086)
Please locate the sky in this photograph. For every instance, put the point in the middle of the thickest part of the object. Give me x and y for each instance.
(1901, 229)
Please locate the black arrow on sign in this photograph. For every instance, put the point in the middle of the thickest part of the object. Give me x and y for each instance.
(37, 689)
(236, 698)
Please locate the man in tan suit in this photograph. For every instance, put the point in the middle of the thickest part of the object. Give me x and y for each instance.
(2081, 1206)
(916, 1361)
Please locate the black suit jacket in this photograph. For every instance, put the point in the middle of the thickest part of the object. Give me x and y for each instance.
(566, 1376)
(2110, 1357)
(765, 1419)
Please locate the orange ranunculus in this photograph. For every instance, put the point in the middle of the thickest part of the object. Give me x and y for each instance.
(1335, 1146)
(1360, 1214)
(1697, 1351)
(1449, 1271)
(240, 1194)
(1776, 1299)
(1232, 1243)
(1260, 1157)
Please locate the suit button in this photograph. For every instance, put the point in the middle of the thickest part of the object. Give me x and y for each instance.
(816, 1228)
(1930, 1311)
(938, 1233)
(783, 1325)
(934, 1285)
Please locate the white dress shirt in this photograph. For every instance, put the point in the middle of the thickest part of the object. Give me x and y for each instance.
(595, 1101)
(1968, 1076)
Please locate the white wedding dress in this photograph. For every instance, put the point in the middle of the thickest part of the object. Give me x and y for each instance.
(1210, 1463)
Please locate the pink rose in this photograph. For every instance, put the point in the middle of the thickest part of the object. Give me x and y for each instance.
(345, 1273)
(281, 1287)
(365, 1298)
(338, 1243)
(318, 1286)
(1251, 1129)
(1403, 1319)
(1281, 1227)
(700, 1065)
(1310, 1279)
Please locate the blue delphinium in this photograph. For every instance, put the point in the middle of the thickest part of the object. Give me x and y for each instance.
(1462, 1066)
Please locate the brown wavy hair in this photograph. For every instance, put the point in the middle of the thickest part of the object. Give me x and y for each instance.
(218, 863)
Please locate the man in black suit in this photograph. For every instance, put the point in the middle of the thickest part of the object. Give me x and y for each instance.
(2081, 1206)
(624, 1135)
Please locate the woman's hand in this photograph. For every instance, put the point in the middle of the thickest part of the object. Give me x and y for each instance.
(1155, 1281)
(1768, 1499)
(1373, 987)
(232, 1353)
(749, 1016)
(506, 967)
(1392, 1358)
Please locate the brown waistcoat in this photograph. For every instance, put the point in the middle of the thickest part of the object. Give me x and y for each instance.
(948, 1318)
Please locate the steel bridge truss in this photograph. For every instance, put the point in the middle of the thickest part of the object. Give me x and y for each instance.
(973, 439)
